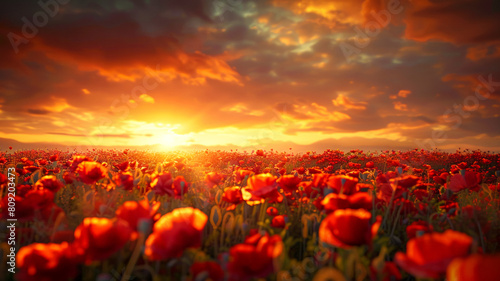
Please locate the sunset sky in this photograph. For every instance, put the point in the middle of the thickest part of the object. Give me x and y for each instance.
(365, 73)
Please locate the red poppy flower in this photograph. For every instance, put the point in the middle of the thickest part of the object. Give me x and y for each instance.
(347, 228)
(458, 182)
(385, 178)
(306, 190)
(134, 211)
(316, 186)
(441, 179)
(255, 258)
(162, 183)
(385, 191)
(279, 221)
(429, 255)
(90, 172)
(180, 186)
(420, 194)
(68, 177)
(124, 180)
(122, 166)
(45, 262)
(474, 268)
(174, 232)
(260, 187)
(23, 189)
(98, 238)
(233, 196)
(333, 201)
(289, 183)
(417, 228)
(301, 170)
(76, 160)
(272, 211)
(209, 270)
(241, 174)
(49, 182)
(31, 169)
(313, 171)
(361, 200)
(451, 207)
(213, 178)
(343, 184)
(405, 181)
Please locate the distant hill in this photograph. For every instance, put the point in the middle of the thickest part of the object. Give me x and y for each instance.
(5, 143)
(344, 144)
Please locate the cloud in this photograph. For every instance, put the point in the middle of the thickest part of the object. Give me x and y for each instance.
(338, 11)
(58, 105)
(424, 20)
(404, 93)
(317, 113)
(54, 105)
(457, 21)
(38, 111)
(123, 136)
(264, 66)
(488, 51)
(147, 98)
(242, 108)
(346, 103)
(400, 106)
(114, 44)
(470, 85)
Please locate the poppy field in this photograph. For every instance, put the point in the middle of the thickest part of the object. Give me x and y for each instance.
(250, 215)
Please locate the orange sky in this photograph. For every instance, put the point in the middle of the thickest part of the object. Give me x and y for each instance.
(237, 73)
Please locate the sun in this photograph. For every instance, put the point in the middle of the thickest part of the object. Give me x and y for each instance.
(168, 140)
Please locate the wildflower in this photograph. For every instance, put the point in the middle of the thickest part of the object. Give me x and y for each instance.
(174, 232)
(347, 228)
(90, 172)
(255, 257)
(429, 255)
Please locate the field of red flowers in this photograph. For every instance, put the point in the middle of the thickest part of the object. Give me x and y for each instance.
(260, 215)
